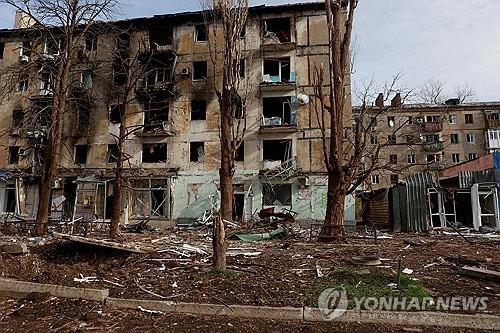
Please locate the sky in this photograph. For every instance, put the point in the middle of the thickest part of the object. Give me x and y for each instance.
(457, 42)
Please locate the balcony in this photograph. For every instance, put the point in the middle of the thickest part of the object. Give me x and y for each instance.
(433, 146)
(278, 115)
(436, 165)
(432, 127)
(162, 129)
(493, 123)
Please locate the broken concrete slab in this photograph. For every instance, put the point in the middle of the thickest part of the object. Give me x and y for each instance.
(480, 273)
(101, 243)
(14, 288)
(14, 248)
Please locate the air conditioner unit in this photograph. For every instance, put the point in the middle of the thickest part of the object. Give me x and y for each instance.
(23, 58)
(185, 71)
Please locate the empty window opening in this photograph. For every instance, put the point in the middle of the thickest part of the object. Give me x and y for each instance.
(83, 117)
(45, 83)
(242, 68)
(238, 206)
(277, 150)
(154, 153)
(277, 111)
(200, 33)
(161, 37)
(157, 75)
(81, 153)
(197, 151)
(9, 204)
(277, 194)
(277, 70)
(123, 42)
(469, 119)
(23, 84)
(17, 118)
(14, 155)
(198, 110)
(2, 49)
(277, 30)
(156, 117)
(151, 198)
(239, 154)
(26, 49)
(91, 42)
(51, 46)
(119, 74)
(113, 153)
(200, 70)
(116, 113)
(394, 178)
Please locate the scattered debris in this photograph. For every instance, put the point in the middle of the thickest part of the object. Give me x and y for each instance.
(280, 231)
(150, 311)
(155, 294)
(440, 261)
(366, 261)
(14, 248)
(87, 279)
(100, 243)
(415, 242)
(407, 271)
(480, 273)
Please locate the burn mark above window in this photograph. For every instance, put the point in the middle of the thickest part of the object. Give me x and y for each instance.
(200, 70)
(277, 150)
(198, 110)
(154, 153)
(81, 152)
(277, 29)
(200, 33)
(197, 152)
(161, 37)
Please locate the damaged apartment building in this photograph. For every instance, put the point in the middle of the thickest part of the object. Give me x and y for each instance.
(430, 137)
(173, 151)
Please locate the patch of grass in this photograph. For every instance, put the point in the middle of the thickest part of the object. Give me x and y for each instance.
(260, 301)
(375, 284)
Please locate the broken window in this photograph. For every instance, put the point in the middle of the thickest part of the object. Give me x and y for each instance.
(277, 150)
(154, 153)
(151, 198)
(81, 152)
(197, 151)
(277, 70)
(116, 113)
(83, 117)
(200, 70)
(2, 48)
(23, 84)
(200, 33)
(161, 37)
(119, 74)
(454, 138)
(393, 159)
(91, 42)
(240, 153)
(14, 155)
(9, 204)
(277, 29)
(277, 194)
(155, 116)
(277, 111)
(198, 110)
(113, 153)
(87, 80)
(17, 118)
(469, 119)
(157, 75)
(433, 158)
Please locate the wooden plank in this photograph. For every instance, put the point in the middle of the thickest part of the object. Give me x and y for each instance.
(480, 273)
(101, 243)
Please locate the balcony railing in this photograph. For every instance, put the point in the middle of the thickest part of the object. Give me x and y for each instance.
(433, 146)
(431, 127)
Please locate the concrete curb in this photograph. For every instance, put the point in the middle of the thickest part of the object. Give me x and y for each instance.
(13, 288)
(241, 311)
(417, 318)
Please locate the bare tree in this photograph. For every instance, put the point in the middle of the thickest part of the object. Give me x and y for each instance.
(62, 25)
(225, 21)
(434, 92)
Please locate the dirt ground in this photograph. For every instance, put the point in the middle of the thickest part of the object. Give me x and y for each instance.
(46, 314)
(274, 273)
